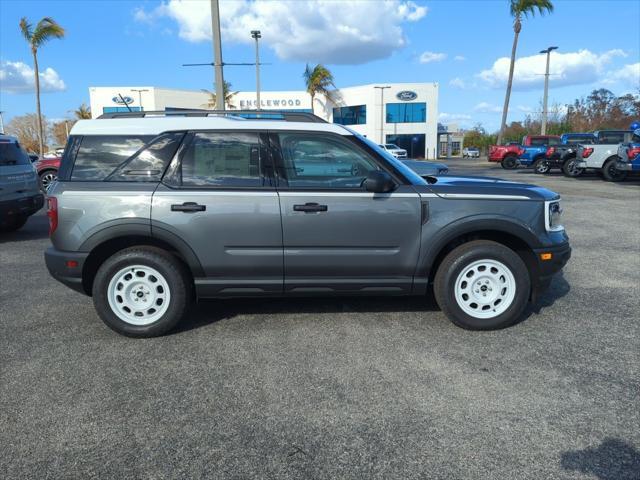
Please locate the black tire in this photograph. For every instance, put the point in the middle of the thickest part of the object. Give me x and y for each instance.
(509, 162)
(13, 223)
(570, 168)
(47, 177)
(464, 256)
(167, 265)
(541, 166)
(611, 173)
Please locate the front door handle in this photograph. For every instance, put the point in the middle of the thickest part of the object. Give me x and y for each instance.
(310, 208)
(188, 207)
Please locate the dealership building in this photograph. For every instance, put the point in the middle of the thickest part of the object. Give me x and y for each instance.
(402, 113)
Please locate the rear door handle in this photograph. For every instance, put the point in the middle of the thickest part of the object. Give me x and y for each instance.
(188, 207)
(310, 208)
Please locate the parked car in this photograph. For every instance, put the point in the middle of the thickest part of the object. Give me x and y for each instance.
(472, 152)
(47, 168)
(506, 155)
(20, 194)
(151, 212)
(629, 154)
(532, 148)
(394, 150)
(601, 156)
(557, 156)
(426, 168)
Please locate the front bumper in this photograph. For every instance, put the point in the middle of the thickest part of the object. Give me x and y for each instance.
(24, 206)
(560, 255)
(628, 166)
(71, 276)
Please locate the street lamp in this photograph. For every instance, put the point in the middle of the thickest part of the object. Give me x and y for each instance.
(255, 34)
(382, 111)
(140, 90)
(543, 128)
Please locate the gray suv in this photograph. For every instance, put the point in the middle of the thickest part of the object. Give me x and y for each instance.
(20, 194)
(154, 210)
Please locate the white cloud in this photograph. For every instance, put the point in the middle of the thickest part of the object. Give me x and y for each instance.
(428, 57)
(452, 117)
(628, 75)
(459, 58)
(18, 77)
(457, 83)
(524, 109)
(352, 32)
(484, 107)
(572, 68)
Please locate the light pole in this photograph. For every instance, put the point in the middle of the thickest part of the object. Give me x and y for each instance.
(256, 35)
(140, 90)
(1, 123)
(217, 54)
(543, 128)
(382, 111)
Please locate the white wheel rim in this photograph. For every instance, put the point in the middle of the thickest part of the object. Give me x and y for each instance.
(485, 289)
(138, 295)
(48, 179)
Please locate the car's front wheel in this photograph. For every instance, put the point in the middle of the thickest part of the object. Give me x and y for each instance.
(141, 292)
(482, 285)
(509, 163)
(611, 173)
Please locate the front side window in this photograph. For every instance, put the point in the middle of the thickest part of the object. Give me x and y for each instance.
(406, 112)
(323, 161)
(99, 155)
(222, 159)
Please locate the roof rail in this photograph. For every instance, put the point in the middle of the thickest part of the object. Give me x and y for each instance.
(285, 115)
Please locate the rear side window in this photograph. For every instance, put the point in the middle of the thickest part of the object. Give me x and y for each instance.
(149, 164)
(608, 138)
(226, 159)
(99, 155)
(11, 153)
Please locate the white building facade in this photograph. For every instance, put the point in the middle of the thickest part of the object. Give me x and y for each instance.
(405, 114)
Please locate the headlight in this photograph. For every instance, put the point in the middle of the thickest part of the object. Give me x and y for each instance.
(553, 216)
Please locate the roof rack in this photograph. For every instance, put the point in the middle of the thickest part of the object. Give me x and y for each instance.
(285, 115)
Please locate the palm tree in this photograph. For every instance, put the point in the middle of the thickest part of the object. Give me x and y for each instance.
(82, 112)
(228, 97)
(519, 9)
(45, 30)
(318, 80)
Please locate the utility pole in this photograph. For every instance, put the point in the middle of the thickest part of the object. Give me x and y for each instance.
(382, 112)
(1, 123)
(543, 127)
(140, 90)
(217, 54)
(256, 35)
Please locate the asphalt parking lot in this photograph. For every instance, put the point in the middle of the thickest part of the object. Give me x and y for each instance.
(335, 388)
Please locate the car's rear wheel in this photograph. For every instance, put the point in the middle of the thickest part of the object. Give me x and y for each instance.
(482, 285)
(541, 166)
(141, 292)
(13, 223)
(509, 163)
(570, 168)
(611, 173)
(47, 178)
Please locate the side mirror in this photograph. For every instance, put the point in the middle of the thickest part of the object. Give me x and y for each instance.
(379, 182)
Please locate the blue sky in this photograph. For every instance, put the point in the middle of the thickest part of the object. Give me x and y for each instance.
(455, 43)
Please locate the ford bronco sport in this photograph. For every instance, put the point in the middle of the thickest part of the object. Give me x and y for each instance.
(152, 210)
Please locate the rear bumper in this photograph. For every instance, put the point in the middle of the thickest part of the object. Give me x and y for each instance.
(22, 206)
(56, 261)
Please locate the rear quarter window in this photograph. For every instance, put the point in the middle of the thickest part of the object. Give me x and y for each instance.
(11, 153)
(99, 155)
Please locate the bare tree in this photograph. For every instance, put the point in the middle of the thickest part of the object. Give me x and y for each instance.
(26, 128)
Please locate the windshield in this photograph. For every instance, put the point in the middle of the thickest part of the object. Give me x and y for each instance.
(392, 146)
(11, 153)
(413, 177)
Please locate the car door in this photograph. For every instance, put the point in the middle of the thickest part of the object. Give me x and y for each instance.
(218, 196)
(337, 236)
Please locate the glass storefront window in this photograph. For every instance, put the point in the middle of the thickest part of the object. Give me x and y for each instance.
(356, 115)
(119, 109)
(406, 112)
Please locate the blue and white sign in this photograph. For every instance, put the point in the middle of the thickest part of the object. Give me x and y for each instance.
(123, 100)
(406, 95)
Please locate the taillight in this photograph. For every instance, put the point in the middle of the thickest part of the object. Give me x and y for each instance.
(586, 152)
(633, 152)
(550, 151)
(52, 213)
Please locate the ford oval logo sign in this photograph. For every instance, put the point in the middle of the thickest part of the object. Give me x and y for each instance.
(123, 100)
(406, 95)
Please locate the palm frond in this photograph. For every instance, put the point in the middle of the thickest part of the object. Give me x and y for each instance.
(45, 30)
(26, 29)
